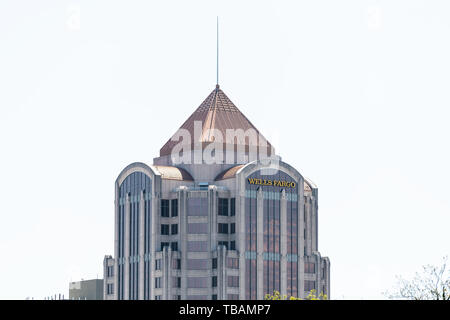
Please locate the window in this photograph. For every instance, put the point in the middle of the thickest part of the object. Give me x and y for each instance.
(174, 209)
(197, 228)
(223, 207)
(233, 263)
(310, 267)
(232, 245)
(158, 297)
(223, 243)
(233, 297)
(165, 229)
(177, 282)
(176, 264)
(164, 208)
(232, 207)
(232, 228)
(197, 282)
(233, 281)
(223, 228)
(164, 244)
(110, 288)
(110, 271)
(158, 264)
(158, 282)
(204, 185)
(177, 297)
(214, 281)
(174, 229)
(196, 264)
(197, 246)
(197, 206)
(214, 297)
(174, 246)
(214, 263)
(310, 285)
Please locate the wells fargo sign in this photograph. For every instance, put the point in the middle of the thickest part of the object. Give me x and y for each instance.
(272, 183)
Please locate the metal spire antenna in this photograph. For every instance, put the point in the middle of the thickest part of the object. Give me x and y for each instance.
(217, 62)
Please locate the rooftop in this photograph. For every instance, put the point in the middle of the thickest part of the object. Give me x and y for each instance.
(217, 112)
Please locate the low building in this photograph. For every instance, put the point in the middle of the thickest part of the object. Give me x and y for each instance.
(86, 290)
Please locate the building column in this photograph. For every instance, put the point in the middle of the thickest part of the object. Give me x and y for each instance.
(221, 273)
(212, 214)
(116, 245)
(166, 273)
(283, 245)
(241, 236)
(314, 231)
(182, 204)
(213, 245)
(260, 245)
(126, 282)
(308, 225)
(141, 246)
(317, 275)
(154, 224)
(301, 241)
(327, 276)
(105, 277)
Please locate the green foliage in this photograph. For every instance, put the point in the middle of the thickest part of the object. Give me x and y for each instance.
(312, 295)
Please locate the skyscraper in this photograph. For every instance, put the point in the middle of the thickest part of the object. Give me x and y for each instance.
(218, 215)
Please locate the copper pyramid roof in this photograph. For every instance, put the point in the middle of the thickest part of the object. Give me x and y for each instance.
(216, 112)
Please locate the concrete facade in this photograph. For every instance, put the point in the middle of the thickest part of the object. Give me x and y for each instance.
(86, 290)
(204, 231)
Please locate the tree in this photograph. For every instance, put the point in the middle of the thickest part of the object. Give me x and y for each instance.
(311, 296)
(433, 283)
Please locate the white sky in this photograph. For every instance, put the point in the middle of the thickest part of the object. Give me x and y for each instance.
(354, 94)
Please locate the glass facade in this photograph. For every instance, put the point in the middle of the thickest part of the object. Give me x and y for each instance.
(190, 229)
(132, 187)
(271, 207)
(250, 244)
(272, 239)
